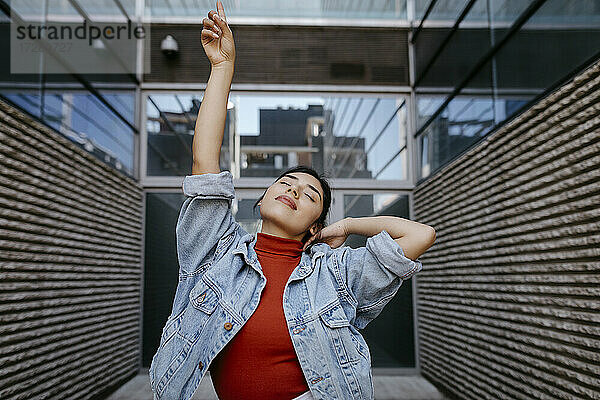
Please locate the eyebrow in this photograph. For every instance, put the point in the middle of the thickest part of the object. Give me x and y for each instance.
(309, 185)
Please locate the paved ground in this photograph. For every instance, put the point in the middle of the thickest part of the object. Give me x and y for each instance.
(386, 388)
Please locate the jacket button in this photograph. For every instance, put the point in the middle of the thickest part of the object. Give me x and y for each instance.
(200, 365)
(228, 326)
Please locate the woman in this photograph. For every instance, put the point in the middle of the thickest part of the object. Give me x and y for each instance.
(273, 315)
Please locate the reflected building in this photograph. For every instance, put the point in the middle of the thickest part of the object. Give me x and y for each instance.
(289, 137)
(170, 138)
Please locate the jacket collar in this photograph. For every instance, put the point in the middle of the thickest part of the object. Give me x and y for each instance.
(245, 247)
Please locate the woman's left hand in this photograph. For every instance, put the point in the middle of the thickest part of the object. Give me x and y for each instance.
(334, 235)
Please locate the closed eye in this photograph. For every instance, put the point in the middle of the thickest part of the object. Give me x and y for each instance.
(285, 183)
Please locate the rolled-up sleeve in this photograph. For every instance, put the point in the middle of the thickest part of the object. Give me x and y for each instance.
(204, 218)
(374, 273)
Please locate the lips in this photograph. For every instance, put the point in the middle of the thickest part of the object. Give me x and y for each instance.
(287, 200)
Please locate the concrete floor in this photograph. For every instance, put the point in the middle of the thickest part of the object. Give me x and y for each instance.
(386, 388)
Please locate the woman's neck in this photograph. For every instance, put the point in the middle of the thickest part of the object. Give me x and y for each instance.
(270, 229)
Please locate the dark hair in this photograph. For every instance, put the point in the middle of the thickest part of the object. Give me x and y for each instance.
(321, 221)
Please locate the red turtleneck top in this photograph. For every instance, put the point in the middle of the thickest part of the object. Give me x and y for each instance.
(260, 361)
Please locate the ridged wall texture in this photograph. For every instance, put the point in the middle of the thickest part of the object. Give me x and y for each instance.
(70, 266)
(509, 297)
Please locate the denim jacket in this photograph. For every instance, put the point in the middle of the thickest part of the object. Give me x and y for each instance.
(329, 296)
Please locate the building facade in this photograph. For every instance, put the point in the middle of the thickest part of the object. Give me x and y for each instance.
(409, 107)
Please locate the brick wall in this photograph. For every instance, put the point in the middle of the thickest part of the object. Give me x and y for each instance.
(508, 300)
(70, 266)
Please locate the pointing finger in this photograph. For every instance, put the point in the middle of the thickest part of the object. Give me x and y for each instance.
(221, 11)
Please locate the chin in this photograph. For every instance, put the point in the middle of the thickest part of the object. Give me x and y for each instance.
(282, 221)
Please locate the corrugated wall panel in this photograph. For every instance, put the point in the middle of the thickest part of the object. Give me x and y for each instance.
(508, 303)
(70, 266)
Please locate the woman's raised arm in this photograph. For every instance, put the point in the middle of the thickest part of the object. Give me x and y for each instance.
(218, 44)
(414, 238)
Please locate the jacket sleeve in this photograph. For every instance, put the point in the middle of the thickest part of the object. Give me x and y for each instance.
(374, 273)
(205, 217)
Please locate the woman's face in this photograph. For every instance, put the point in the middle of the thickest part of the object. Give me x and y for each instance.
(281, 219)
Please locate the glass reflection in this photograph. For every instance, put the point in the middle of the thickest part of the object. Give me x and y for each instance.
(534, 59)
(346, 137)
(463, 122)
(83, 119)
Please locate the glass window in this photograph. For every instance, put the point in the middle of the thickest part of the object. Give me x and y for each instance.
(463, 122)
(448, 66)
(170, 123)
(392, 9)
(546, 48)
(449, 10)
(84, 119)
(396, 319)
(346, 137)
(535, 58)
(105, 128)
(94, 8)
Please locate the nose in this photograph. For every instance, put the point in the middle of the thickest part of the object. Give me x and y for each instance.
(294, 190)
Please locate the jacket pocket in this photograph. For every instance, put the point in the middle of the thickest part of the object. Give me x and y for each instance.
(337, 327)
(203, 297)
(203, 301)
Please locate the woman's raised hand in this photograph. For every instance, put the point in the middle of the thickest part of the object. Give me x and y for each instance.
(217, 38)
(334, 235)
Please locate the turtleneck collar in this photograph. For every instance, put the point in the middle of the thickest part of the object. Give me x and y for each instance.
(278, 245)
